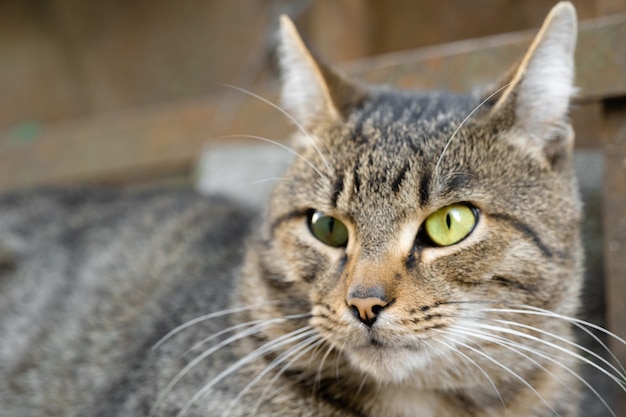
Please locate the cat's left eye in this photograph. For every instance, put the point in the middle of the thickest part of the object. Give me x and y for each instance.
(450, 224)
(327, 229)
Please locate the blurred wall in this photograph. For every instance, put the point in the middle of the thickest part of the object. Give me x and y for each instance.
(63, 59)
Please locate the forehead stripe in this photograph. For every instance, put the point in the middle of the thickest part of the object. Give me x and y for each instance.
(424, 188)
(337, 190)
(395, 186)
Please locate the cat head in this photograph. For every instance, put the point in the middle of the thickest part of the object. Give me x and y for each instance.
(408, 215)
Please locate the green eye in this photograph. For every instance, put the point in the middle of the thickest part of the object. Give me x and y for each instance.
(328, 229)
(450, 224)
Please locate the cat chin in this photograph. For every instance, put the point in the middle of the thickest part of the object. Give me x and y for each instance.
(390, 365)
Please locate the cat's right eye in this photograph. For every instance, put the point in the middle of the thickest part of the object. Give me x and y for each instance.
(327, 229)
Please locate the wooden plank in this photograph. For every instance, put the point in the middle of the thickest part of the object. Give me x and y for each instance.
(324, 28)
(70, 59)
(129, 146)
(587, 119)
(166, 139)
(614, 219)
(371, 27)
(460, 66)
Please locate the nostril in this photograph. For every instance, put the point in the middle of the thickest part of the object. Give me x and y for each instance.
(376, 309)
(355, 311)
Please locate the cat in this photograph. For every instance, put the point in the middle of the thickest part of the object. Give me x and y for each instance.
(423, 258)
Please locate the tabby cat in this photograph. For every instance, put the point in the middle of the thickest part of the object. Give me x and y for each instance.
(422, 258)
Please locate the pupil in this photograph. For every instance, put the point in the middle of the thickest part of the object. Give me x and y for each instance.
(331, 224)
(448, 220)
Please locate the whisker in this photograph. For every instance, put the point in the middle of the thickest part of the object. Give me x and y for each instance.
(270, 180)
(455, 173)
(180, 375)
(501, 341)
(276, 362)
(254, 355)
(361, 385)
(431, 368)
(343, 346)
(548, 313)
(571, 343)
(285, 147)
(463, 124)
(288, 116)
(246, 324)
(557, 347)
(232, 310)
(318, 375)
(313, 342)
(222, 332)
(511, 345)
(473, 362)
(513, 373)
(583, 325)
(439, 354)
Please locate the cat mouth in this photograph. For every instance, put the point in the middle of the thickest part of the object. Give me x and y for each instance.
(377, 343)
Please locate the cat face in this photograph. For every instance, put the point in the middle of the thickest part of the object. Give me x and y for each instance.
(409, 218)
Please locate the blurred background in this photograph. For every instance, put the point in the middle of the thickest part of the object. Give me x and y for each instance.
(66, 59)
(131, 92)
(122, 91)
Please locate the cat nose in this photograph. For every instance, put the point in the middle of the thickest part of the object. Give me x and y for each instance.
(367, 309)
(366, 305)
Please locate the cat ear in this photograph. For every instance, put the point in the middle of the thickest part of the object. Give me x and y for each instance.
(312, 92)
(537, 98)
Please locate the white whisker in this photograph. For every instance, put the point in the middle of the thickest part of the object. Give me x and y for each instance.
(463, 123)
(270, 180)
(254, 355)
(556, 347)
(562, 339)
(578, 323)
(431, 367)
(246, 324)
(514, 346)
(285, 147)
(581, 324)
(452, 174)
(584, 325)
(547, 313)
(313, 342)
(361, 385)
(288, 116)
(501, 341)
(473, 362)
(222, 332)
(232, 310)
(343, 346)
(508, 370)
(318, 375)
(168, 388)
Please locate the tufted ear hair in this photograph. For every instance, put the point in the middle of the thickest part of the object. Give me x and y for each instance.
(537, 98)
(312, 92)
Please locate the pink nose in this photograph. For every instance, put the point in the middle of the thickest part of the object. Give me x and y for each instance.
(367, 309)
